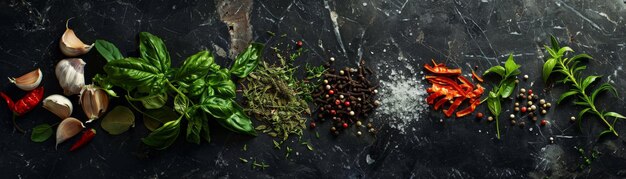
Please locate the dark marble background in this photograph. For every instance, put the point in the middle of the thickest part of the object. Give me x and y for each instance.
(396, 37)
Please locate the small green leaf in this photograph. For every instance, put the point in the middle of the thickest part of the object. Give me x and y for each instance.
(41, 133)
(552, 52)
(507, 88)
(578, 57)
(565, 95)
(247, 60)
(494, 105)
(588, 81)
(155, 101)
(614, 114)
(555, 43)
(608, 131)
(181, 103)
(154, 118)
(547, 68)
(108, 50)
(603, 87)
(580, 116)
(562, 51)
(194, 126)
(153, 50)
(581, 103)
(510, 66)
(164, 136)
(497, 70)
(118, 121)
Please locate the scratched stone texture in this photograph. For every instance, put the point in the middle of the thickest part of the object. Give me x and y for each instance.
(395, 37)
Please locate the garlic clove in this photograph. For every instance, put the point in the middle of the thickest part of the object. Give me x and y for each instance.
(94, 101)
(59, 105)
(71, 75)
(71, 45)
(68, 128)
(28, 81)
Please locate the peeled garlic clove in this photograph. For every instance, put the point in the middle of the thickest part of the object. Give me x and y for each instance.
(94, 101)
(28, 81)
(68, 128)
(59, 105)
(71, 45)
(71, 75)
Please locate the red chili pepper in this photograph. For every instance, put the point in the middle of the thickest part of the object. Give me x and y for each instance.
(441, 69)
(476, 76)
(84, 139)
(27, 103)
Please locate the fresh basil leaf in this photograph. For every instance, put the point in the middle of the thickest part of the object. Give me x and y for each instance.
(108, 50)
(195, 67)
(494, 105)
(130, 73)
(154, 118)
(228, 114)
(221, 83)
(497, 70)
(588, 81)
(151, 102)
(510, 66)
(194, 126)
(507, 88)
(41, 133)
(547, 68)
(153, 50)
(565, 95)
(181, 104)
(206, 132)
(118, 121)
(164, 136)
(247, 60)
(197, 87)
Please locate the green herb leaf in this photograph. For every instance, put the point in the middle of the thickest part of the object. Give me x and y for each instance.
(552, 52)
(580, 116)
(511, 66)
(194, 126)
(181, 104)
(547, 68)
(580, 57)
(153, 118)
(565, 95)
(164, 136)
(195, 66)
(562, 51)
(118, 121)
(154, 102)
(247, 60)
(588, 81)
(555, 43)
(41, 133)
(108, 50)
(497, 70)
(507, 87)
(494, 104)
(130, 73)
(614, 114)
(153, 50)
(221, 83)
(603, 87)
(228, 114)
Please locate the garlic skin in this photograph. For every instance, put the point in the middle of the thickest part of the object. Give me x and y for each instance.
(28, 81)
(94, 102)
(71, 75)
(59, 105)
(71, 45)
(68, 128)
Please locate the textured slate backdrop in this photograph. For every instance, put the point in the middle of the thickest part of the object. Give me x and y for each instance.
(392, 35)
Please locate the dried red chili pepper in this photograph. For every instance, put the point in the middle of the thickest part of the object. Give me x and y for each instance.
(441, 69)
(27, 103)
(84, 139)
(477, 77)
(22, 106)
(445, 84)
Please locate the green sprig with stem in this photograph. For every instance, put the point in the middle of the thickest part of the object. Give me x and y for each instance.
(571, 69)
(504, 89)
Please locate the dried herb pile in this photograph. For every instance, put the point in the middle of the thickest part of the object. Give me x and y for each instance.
(345, 97)
(276, 98)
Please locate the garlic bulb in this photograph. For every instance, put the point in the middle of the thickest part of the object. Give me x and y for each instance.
(71, 75)
(94, 101)
(59, 105)
(68, 128)
(71, 45)
(28, 81)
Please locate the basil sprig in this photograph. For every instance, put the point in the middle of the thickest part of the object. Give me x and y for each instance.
(504, 89)
(199, 87)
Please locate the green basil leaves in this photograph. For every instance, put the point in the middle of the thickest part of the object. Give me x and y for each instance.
(247, 60)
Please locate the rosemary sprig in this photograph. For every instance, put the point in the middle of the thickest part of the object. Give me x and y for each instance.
(571, 69)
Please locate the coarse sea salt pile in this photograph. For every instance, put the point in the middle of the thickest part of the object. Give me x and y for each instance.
(401, 95)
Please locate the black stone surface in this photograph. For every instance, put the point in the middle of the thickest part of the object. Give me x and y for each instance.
(396, 37)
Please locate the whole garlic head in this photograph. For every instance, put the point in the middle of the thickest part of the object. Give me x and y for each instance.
(59, 105)
(94, 101)
(71, 45)
(71, 75)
